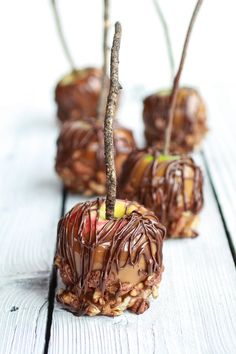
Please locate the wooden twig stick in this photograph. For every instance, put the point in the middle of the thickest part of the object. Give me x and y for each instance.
(167, 37)
(61, 35)
(174, 92)
(108, 124)
(102, 98)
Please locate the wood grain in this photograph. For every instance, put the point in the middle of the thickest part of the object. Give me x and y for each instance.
(195, 310)
(23, 308)
(30, 195)
(30, 206)
(220, 152)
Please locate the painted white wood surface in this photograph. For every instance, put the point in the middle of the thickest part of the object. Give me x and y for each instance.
(30, 205)
(30, 194)
(195, 311)
(23, 309)
(197, 301)
(220, 150)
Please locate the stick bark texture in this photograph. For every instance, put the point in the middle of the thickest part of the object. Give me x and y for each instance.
(108, 124)
(61, 36)
(102, 98)
(174, 93)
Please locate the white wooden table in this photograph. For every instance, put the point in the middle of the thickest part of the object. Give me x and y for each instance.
(196, 309)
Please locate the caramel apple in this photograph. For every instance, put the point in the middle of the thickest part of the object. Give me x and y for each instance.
(77, 94)
(109, 266)
(109, 251)
(80, 155)
(169, 185)
(189, 123)
(190, 118)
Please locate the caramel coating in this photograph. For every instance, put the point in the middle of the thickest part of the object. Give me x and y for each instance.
(189, 125)
(172, 189)
(77, 94)
(80, 155)
(109, 266)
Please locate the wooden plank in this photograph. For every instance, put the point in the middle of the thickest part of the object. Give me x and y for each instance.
(220, 153)
(193, 297)
(194, 313)
(30, 195)
(30, 207)
(23, 308)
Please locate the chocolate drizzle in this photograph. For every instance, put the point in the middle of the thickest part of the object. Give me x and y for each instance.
(189, 126)
(169, 188)
(80, 154)
(87, 243)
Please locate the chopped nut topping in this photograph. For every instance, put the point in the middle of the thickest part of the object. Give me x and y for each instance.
(92, 310)
(140, 306)
(93, 281)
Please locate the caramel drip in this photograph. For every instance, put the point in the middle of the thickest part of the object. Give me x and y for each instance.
(163, 185)
(134, 235)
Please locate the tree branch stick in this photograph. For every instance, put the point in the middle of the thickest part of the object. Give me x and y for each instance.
(108, 124)
(102, 98)
(167, 37)
(173, 97)
(61, 35)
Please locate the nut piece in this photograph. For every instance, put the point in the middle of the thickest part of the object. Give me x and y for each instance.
(134, 292)
(155, 292)
(58, 261)
(124, 304)
(97, 295)
(150, 280)
(125, 288)
(92, 310)
(93, 280)
(68, 298)
(140, 306)
(112, 285)
(118, 310)
(137, 289)
(140, 286)
(101, 301)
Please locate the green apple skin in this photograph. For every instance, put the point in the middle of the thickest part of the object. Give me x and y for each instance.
(162, 158)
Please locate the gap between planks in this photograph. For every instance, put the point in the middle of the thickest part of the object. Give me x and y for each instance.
(195, 325)
(53, 285)
(224, 222)
(30, 204)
